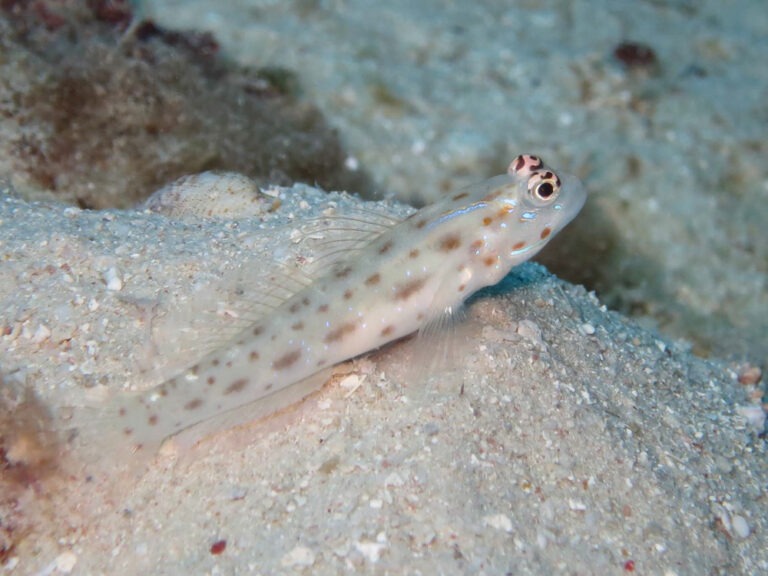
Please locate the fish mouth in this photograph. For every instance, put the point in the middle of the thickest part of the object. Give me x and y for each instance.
(573, 195)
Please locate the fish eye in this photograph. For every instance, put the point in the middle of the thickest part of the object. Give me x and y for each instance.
(543, 186)
(544, 190)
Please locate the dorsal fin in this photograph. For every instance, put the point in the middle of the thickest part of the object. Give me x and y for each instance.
(333, 238)
(197, 324)
(217, 312)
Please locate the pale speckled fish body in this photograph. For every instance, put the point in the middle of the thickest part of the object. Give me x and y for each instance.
(411, 274)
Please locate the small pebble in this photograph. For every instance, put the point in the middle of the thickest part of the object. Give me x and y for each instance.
(576, 505)
(66, 562)
(298, 556)
(351, 163)
(394, 479)
(750, 375)
(499, 522)
(587, 329)
(41, 334)
(63, 564)
(237, 493)
(754, 415)
(740, 527)
(371, 550)
(350, 382)
(635, 55)
(529, 330)
(113, 280)
(218, 547)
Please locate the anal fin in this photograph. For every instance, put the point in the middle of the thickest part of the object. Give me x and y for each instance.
(253, 411)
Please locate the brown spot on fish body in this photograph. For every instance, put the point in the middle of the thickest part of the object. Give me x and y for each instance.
(287, 360)
(386, 247)
(305, 301)
(348, 294)
(546, 232)
(211, 381)
(257, 330)
(321, 362)
(405, 291)
(253, 356)
(343, 272)
(449, 242)
(121, 412)
(388, 330)
(338, 333)
(519, 246)
(462, 287)
(373, 279)
(322, 308)
(414, 253)
(421, 223)
(493, 195)
(293, 308)
(476, 245)
(460, 196)
(297, 326)
(489, 261)
(193, 404)
(487, 221)
(127, 431)
(152, 420)
(215, 362)
(236, 386)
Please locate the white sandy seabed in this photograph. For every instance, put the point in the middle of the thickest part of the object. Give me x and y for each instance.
(580, 444)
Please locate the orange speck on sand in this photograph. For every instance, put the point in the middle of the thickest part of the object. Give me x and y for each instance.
(218, 547)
